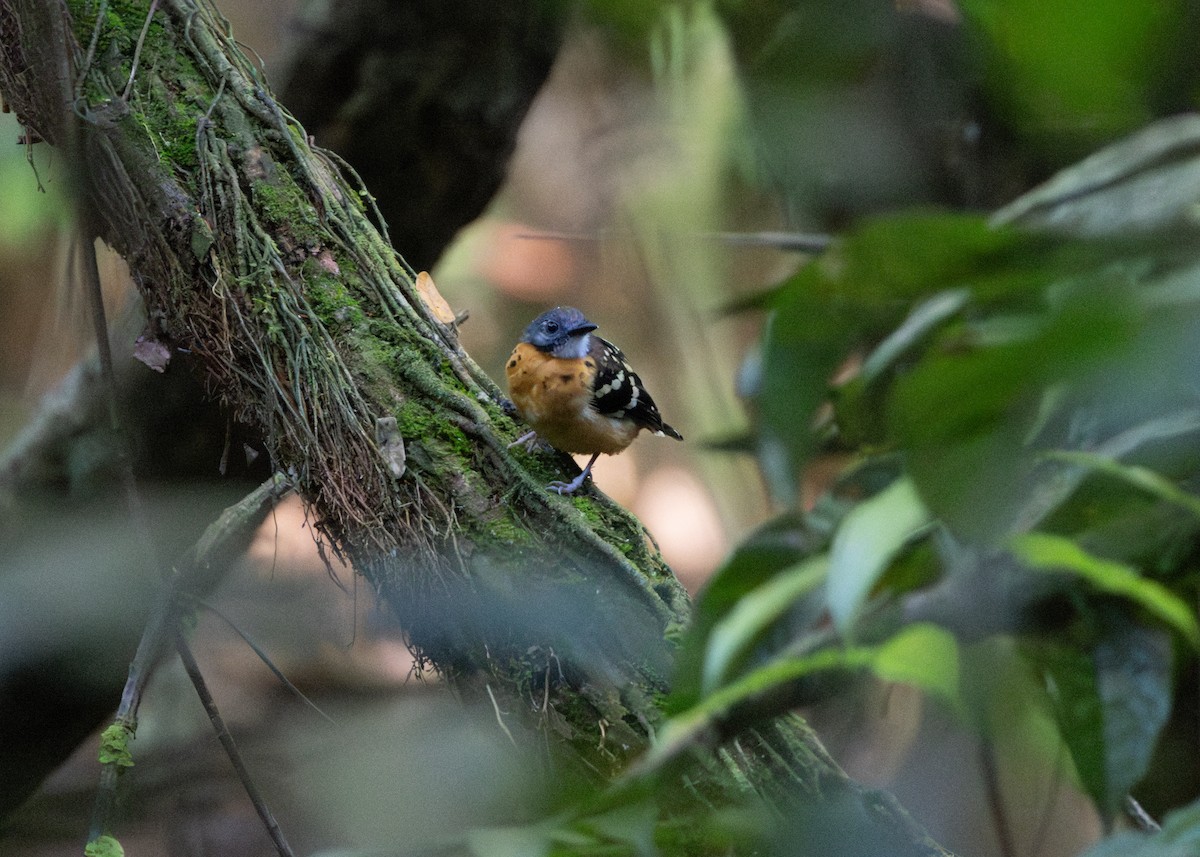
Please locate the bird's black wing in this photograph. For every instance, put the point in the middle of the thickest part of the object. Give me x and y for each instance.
(618, 391)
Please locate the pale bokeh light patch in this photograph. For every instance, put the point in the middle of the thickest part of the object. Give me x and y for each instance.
(680, 513)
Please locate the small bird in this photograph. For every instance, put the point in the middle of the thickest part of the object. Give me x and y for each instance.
(578, 391)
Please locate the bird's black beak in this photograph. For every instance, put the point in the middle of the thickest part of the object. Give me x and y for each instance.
(586, 327)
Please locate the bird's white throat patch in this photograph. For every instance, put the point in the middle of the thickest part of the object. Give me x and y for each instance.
(575, 348)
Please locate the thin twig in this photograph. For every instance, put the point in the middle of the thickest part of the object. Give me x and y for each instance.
(208, 557)
(95, 298)
(86, 66)
(499, 716)
(262, 656)
(133, 498)
(339, 164)
(1140, 817)
(231, 750)
(137, 51)
(153, 638)
(797, 242)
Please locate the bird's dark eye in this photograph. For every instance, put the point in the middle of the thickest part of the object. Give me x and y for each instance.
(552, 327)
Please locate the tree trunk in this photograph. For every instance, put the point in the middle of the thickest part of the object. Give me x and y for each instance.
(424, 98)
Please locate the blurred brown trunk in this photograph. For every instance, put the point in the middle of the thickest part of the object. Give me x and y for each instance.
(424, 98)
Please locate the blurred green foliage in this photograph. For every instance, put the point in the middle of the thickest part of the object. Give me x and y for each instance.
(1007, 372)
(27, 208)
(1179, 837)
(991, 373)
(1014, 530)
(1068, 77)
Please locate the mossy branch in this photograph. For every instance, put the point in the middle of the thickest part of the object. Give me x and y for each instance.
(254, 251)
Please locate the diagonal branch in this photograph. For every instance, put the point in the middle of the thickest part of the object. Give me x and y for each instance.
(254, 253)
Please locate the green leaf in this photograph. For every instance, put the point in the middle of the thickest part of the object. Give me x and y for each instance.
(869, 538)
(685, 730)
(741, 628)
(1143, 183)
(1046, 552)
(1075, 701)
(804, 342)
(1132, 844)
(1183, 826)
(901, 257)
(1008, 700)
(1133, 678)
(1111, 704)
(1139, 477)
(1170, 428)
(923, 319)
(632, 824)
(786, 670)
(858, 291)
(963, 414)
(924, 656)
(1179, 837)
(1069, 78)
(776, 546)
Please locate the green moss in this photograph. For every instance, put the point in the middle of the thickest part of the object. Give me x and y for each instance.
(281, 203)
(104, 846)
(434, 443)
(377, 382)
(457, 444)
(505, 530)
(168, 93)
(330, 298)
(114, 746)
(170, 118)
(202, 238)
(414, 420)
(588, 509)
(462, 446)
(114, 37)
(412, 365)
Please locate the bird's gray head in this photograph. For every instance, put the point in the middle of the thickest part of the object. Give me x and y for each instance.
(563, 331)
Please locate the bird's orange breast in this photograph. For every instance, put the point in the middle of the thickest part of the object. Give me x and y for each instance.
(554, 396)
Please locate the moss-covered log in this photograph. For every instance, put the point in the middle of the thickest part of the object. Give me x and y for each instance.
(255, 252)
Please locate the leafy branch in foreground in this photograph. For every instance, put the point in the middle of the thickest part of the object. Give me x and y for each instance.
(1022, 471)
